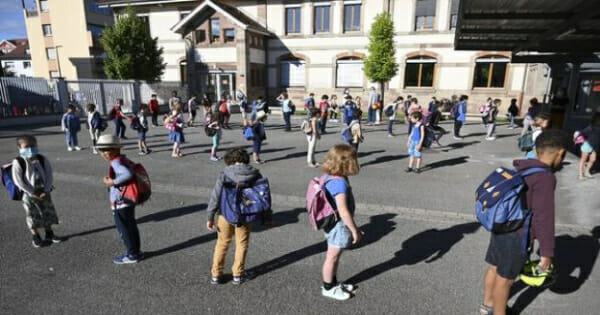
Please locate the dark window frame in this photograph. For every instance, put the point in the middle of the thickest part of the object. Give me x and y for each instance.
(226, 38)
(353, 25)
(427, 14)
(490, 81)
(296, 26)
(420, 68)
(215, 35)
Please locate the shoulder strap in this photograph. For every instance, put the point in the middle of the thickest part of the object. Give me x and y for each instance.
(534, 170)
(22, 163)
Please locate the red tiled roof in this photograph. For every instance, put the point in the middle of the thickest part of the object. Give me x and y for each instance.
(20, 52)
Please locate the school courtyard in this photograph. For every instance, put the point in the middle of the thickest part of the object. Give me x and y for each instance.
(422, 251)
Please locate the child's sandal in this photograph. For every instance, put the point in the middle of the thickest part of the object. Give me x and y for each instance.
(486, 310)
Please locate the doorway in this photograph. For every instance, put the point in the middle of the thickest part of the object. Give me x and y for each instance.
(220, 84)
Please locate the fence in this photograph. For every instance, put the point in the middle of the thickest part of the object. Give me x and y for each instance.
(37, 96)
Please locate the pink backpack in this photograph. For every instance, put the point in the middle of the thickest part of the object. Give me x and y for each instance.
(321, 214)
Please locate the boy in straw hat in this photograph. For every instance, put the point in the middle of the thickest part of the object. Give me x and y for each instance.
(122, 209)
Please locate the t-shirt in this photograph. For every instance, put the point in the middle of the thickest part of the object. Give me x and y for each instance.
(338, 186)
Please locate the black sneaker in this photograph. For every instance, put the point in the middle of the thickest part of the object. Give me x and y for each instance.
(37, 241)
(216, 280)
(408, 169)
(417, 170)
(51, 238)
(239, 280)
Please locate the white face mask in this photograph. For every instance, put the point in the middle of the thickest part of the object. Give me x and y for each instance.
(28, 152)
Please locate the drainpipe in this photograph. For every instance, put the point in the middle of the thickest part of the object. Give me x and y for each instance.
(548, 81)
(523, 87)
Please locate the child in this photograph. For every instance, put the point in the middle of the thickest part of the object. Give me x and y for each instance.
(399, 101)
(192, 105)
(350, 109)
(122, 209)
(174, 123)
(461, 115)
(414, 107)
(237, 171)
(212, 127)
(433, 121)
(334, 110)
(589, 148)
(154, 109)
(117, 116)
(415, 142)
(93, 120)
(492, 112)
(313, 137)
(513, 112)
(484, 110)
(324, 108)
(506, 254)
(71, 126)
(259, 135)
(224, 113)
(340, 162)
(35, 180)
(356, 130)
(540, 124)
(142, 130)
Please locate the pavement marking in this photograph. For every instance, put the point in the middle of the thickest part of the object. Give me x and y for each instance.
(437, 216)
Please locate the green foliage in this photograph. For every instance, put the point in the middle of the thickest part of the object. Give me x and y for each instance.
(131, 53)
(380, 65)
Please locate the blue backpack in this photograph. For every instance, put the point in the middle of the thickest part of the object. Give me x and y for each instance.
(245, 202)
(98, 123)
(349, 112)
(347, 135)
(248, 133)
(500, 200)
(14, 192)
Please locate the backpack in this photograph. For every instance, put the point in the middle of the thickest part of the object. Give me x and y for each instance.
(454, 111)
(14, 192)
(429, 137)
(347, 135)
(98, 123)
(349, 112)
(389, 110)
(210, 131)
(306, 127)
(526, 142)
(135, 123)
(139, 189)
(248, 133)
(245, 202)
(321, 214)
(499, 205)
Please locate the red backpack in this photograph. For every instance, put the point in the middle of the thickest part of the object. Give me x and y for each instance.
(321, 214)
(139, 189)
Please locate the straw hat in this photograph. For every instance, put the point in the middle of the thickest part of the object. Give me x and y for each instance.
(108, 142)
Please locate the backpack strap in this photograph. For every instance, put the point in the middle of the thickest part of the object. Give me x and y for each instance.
(534, 170)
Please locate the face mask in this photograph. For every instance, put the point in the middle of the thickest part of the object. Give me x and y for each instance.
(28, 153)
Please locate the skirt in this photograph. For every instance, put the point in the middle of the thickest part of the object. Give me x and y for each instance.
(176, 137)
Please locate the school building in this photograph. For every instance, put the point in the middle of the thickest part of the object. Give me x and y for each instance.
(265, 47)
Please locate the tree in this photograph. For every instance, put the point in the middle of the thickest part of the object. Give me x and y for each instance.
(131, 53)
(380, 65)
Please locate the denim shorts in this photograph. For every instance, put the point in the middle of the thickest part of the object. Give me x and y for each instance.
(587, 148)
(339, 236)
(412, 149)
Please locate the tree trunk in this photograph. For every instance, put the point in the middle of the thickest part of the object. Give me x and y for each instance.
(382, 89)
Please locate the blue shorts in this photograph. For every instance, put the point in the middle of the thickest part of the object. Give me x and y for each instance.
(142, 135)
(586, 148)
(339, 236)
(412, 150)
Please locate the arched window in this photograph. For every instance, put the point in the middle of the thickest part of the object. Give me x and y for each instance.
(292, 72)
(490, 72)
(349, 72)
(183, 72)
(419, 71)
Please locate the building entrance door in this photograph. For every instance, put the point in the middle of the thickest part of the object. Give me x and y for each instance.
(221, 84)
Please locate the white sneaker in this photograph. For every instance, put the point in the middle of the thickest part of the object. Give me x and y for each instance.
(336, 293)
(348, 287)
(69, 149)
(457, 138)
(490, 138)
(95, 151)
(78, 148)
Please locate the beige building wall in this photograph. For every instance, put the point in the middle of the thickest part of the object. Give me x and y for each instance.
(37, 46)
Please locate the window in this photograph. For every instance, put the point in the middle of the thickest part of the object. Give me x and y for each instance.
(229, 34)
(453, 14)
(183, 72)
(490, 72)
(96, 30)
(54, 75)
(322, 18)
(47, 29)
(293, 18)
(26, 64)
(200, 36)
(51, 53)
(352, 16)
(419, 72)
(215, 30)
(9, 65)
(95, 8)
(44, 5)
(424, 15)
(349, 72)
(292, 73)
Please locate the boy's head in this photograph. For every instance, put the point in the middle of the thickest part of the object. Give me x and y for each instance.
(341, 160)
(71, 108)
(109, 147)
(542, 120)
(26, 141)
(324, 97)
(153, 96)
(174, 93)
(260, 98)
(416, 116)
(534, 101)
(90, 107)
(237, 156)
(551, 148)
(143, 107)
(463, 98)
(314, 112)
(414, 100)
(311, 94)
(119, 102)
(399, 99)
(513, 101)
(497, 102)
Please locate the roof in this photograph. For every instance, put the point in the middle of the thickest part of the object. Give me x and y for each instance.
(207, 8)
(19, 52)
(105, 3)
(562, 27)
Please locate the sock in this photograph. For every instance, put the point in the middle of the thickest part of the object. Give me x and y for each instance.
(335, 282)
(328, 286)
